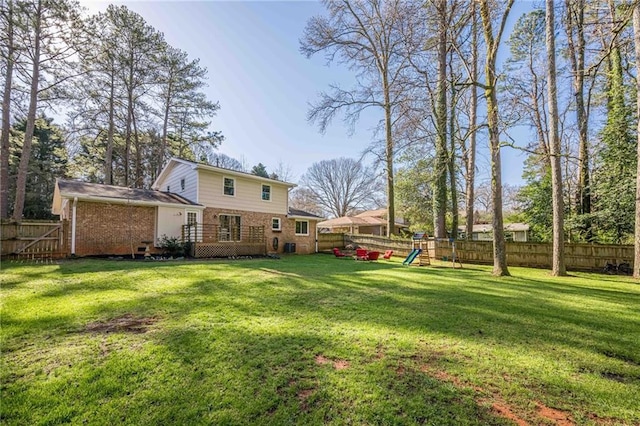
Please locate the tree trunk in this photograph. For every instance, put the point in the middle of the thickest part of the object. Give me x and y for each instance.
(473, 117)
(138, 171)
(6, 117)
(23, 167)
(391, 209)
(440, 184)
(165, 125)
(127, 141)
(452, 158)
(636, 40)
(558, 264)
(108, 157)
(576, 59)
(499, 247)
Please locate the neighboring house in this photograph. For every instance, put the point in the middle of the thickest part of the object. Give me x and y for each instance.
(518, 232)
(222, 212)
(371, 222)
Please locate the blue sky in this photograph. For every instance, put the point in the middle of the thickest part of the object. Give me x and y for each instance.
(264, 84)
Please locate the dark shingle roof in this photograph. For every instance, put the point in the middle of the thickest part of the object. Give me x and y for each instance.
(97, 190)
(302, 213)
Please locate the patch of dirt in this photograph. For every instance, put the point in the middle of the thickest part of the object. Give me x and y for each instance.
(321, 360)
(126, 323)
(604, 421)
(503, 410)
(339, 364)
(559, 417)
(446, 377)
(303, 396)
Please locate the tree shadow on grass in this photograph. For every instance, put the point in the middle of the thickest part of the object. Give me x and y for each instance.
(238, 375)
(320, 308)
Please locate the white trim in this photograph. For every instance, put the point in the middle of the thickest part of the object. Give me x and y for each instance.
(197, 200)
(108, 200)
(279, 228)
(198, 214)
(262, 192)
(308, 218)
(197, 166)
(166, 168)
(300, 234)
(234, 186)
(73, 227)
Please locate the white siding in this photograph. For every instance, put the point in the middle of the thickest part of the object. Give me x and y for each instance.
(248, 194)
(170, 221)
(178, 172)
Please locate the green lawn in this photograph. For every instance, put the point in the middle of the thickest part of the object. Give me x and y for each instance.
(315, 340)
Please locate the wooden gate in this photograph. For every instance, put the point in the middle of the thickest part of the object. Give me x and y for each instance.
(33, 240)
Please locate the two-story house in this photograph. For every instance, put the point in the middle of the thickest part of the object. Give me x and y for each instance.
(221, 212)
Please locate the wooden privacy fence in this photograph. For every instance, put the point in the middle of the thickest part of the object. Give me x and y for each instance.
(536, 255)
(539, 255)
(34, 239)
(329, 241)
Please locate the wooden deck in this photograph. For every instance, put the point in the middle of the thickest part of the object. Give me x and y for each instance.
(209, 241)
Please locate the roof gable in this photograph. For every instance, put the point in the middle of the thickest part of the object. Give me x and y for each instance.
(222, 170)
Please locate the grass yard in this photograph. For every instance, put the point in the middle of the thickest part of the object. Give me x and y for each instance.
(315, 340)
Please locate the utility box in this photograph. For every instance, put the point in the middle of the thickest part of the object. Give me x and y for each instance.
(289, 247)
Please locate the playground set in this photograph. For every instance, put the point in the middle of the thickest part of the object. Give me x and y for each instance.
(420, 251)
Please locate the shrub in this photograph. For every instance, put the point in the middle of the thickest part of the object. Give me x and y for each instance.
(172, 246)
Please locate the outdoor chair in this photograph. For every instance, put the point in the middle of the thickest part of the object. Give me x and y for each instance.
(361, 254)
(388, 254)
(338, 253)
(373, 255)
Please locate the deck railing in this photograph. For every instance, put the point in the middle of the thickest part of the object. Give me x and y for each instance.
(208, 240)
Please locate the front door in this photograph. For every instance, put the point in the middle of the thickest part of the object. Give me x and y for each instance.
(195, 226)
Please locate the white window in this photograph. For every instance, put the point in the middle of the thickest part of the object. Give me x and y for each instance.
(229, 187)
(266, 192)
(230, 226)
(275, 224)
(182, 184)
(302, 227)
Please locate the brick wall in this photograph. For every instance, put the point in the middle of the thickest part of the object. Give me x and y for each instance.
(304, 244)
(112, 229)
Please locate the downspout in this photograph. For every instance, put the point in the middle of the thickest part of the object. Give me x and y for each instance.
(73, 227)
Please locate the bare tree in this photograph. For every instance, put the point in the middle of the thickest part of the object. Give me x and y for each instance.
(636, 42)
(440, 183)
(576, 43)
(8, 55)
(492, 42)
(283, 172)
(340, 186)
(363, 35)
(469, 153)
(302, 198)
(558, 266)
(223, 160)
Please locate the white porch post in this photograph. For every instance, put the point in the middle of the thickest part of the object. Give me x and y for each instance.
(73, 226)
